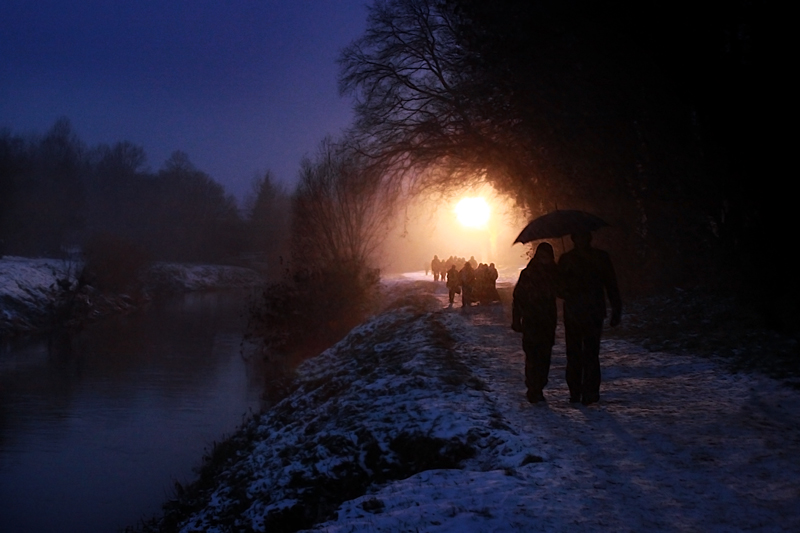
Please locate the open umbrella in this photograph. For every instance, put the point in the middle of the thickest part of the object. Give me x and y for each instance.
(559, 223)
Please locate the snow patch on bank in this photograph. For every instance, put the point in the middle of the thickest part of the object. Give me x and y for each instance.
(28, 286)
(182, 277)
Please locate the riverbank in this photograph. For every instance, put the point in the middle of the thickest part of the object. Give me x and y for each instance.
(417, 421)
(33, 290)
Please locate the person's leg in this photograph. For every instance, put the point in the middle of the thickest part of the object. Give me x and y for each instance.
(537, 366)
(530, 367)
(591, 363)
(574, 375)
(541, 370)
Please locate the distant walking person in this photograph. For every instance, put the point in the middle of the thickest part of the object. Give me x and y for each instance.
(466, 277)
(436, 265)
(587, 276)
(453, 283)
(493, 275)
(534, 314)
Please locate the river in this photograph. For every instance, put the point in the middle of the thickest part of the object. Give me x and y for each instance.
(96, 429)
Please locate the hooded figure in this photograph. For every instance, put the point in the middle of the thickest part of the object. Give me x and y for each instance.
(534, 314)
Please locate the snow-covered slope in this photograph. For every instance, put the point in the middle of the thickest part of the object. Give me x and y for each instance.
(26, 289)
(183, 277)
(417, 421)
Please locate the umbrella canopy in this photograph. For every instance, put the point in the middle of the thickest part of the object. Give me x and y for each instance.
(559, 223)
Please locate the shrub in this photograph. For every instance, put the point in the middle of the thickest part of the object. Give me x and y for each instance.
(310, 310)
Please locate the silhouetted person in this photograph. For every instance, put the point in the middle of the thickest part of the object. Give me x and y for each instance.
(587, 276)
(436, 265)
(534, 314)
(480, 289)
(466, 277)
(494, 296)
(453, 283)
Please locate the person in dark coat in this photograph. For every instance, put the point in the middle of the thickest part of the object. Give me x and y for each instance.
(436, 266)
(494, 296)
(466, 277)
(587, 276)
(453, 283)
(534, 314)
(480, 292)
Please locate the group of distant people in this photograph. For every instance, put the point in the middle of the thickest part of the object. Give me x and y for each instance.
(475, 282)
(582, 278)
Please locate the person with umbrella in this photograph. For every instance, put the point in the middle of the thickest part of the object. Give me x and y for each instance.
(587, 276)
(534, 314)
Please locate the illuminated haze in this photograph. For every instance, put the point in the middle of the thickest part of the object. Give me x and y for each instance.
(430, 226)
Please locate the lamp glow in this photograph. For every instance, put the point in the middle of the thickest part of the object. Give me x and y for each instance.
(473, 212)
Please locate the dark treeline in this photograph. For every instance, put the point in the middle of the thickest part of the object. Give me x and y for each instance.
(58, 195)
(647, 115)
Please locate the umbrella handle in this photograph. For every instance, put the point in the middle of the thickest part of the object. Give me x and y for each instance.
(563, 246)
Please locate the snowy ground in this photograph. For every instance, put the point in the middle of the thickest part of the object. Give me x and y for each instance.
(417, 421)
(183, 277)
(26, 288)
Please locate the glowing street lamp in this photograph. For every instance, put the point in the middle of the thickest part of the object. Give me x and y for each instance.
(473, 212)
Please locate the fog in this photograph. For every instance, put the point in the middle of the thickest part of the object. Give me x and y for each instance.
(429, 226)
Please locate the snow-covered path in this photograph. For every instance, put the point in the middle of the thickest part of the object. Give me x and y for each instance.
(417, 421)
(676, 443)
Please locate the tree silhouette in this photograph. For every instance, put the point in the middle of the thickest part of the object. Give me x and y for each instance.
(340, 210)
(554, 103)
(268, 222)
(194, 220)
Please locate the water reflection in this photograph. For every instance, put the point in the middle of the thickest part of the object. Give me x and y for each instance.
(95, 428)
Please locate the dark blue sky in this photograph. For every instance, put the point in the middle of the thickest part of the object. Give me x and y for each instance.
(242, 86)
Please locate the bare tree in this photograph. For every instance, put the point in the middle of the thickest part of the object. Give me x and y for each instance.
(425, 104)
(407, 75)
(546, 101)
(340, 213)
(341, 209)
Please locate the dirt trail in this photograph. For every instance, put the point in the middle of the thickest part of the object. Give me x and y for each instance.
(676, 442)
